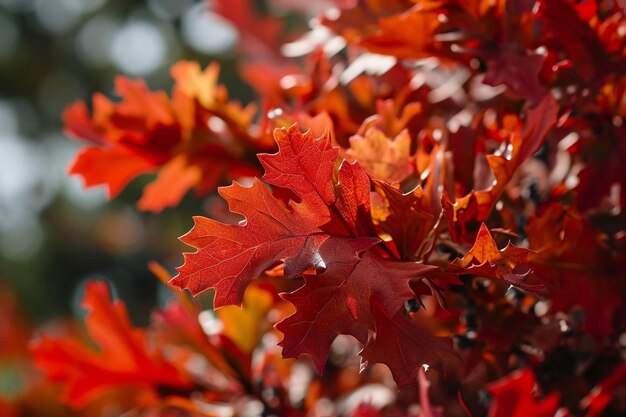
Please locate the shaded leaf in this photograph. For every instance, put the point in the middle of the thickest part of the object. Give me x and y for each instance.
(197, 135)
(338, 300)
(485, 259)
(405, 347)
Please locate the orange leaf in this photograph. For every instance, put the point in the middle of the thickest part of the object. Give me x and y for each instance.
(404, 35)
(484, 258)
(124, 359)
(192, 140)
(382, 157)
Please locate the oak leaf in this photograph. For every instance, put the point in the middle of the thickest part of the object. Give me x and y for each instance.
(197, 136)
(124, 359)
(519, 72)
(581, 268)
(405, 347)
(305, 166)
(405, 35)
(513, 397)
(383, 158)
(228, 257)
(464, 214)
(408, 221)
(485, 259)
(338, 300)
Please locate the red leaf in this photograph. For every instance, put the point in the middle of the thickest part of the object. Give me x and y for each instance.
(464, 214)
(114, 167)
(172, 183)
(605, 156)
(519, 72)
(124, 359)
(382, 157)
(404, 346)
(601, 395)
(338, 300)
(485, 259)
(426, 409)
(564, 24)
(409, 223)
(513, 397)
(304, 165)
(405, 35)
(353, 200)
(581, 269)
(228, 257)
(78, 124)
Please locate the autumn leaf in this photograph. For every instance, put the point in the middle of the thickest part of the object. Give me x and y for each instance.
(230, 256)
(601, 395)
(603, 172)
(465, 213)
(328, 229)
(409, 222)
(362, 246)
(564, 24)
(580, 265)
(382, 158)
(124, 359)
(513, 397)
(509, 264)
(519, 72)
(404, 35)
(405, 347)
(172, 183)
(352, 192)
(476, 8)
(196, 84)
(114, 166)
(178, 324)
(338, 300)
(305, 166)
(244, 326)
(191, 140)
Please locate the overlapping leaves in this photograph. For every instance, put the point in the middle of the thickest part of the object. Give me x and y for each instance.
(517, 109)
(125, 356)
(323, 232)
(191, 140)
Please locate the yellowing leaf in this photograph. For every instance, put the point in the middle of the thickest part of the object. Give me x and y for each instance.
(243, 325)
(382, 157)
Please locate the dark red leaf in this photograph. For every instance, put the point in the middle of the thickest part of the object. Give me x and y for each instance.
(338, 300)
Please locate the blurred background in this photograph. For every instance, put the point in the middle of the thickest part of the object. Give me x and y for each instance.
(54, 234)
